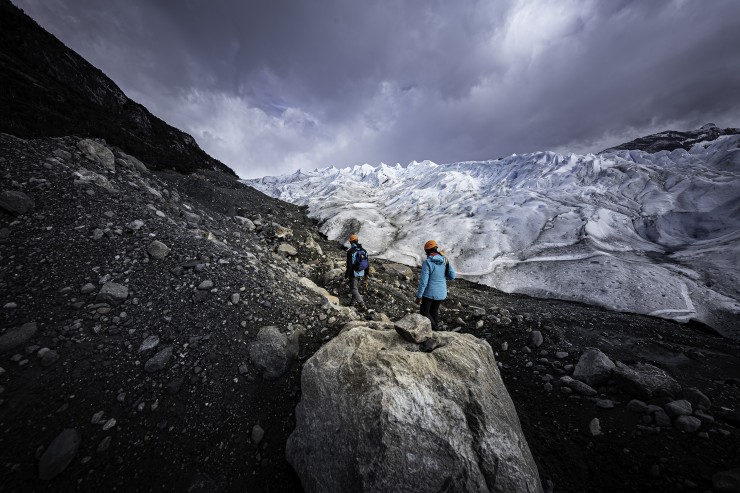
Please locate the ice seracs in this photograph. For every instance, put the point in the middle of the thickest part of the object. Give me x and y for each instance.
(628, 230)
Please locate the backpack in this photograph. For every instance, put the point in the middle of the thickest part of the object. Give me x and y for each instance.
(361, 262)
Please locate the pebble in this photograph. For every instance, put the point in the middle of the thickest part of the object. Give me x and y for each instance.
(87, 288)
(605, 404)
(104, 444)
(257, 434)
(149, 343)
(561, 354)
(109, 424)
(678, 408)
(49, 358)
(535, 338)
(207, 284)
(594, 427)
(97, 417)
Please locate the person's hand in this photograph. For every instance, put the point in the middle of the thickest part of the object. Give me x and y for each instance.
(417, 301)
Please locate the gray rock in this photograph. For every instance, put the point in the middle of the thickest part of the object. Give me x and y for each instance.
(727, 481)
(286, 249)
(594, 427)
(644, 381)
(605, 404)
(158, 361)
(696, 397)
(61, 154)
(59, 454)
(578, 386)
(257, 434)
(191, 218)
(97, 152)
(87, 288)
(135, 225)
(235, 298)
(199, 296)
(689, 424)
(16, 336)
(49, 358)
(637, 406)
(112, 293)
(16, 202)
(445, 415)
(661, 418)
(149, 343)
(207, 284)
(104, 444)
(414, 328)
(535, 338)
(678, 408)
(158, 250)
(138, 165)
(269, 352)
(247, 223)
(561, 354)
(594, 367)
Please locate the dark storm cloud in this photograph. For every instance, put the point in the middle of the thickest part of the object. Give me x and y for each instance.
(270, 86)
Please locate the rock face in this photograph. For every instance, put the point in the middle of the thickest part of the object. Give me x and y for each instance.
(378, 415)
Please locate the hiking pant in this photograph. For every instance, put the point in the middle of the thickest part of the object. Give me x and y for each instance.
(430, 309)
(354, 291)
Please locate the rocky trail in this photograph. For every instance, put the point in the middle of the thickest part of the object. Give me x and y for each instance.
(153, 328)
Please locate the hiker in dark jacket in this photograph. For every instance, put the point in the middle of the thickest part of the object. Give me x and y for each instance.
(352, 275)
(436, 270)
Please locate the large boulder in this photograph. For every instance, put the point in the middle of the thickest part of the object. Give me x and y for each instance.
(594, 367)
(645, 381)
(379, 415)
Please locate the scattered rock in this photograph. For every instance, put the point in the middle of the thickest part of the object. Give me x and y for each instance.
(594, 427)
(205, 285)
(678, 408)
(414, 328)
(97, 152)
(257, 434)
(269, 352)
(645, 381)
(535, 338)
(158, 361)
(112, 293)
(696, 397)
(17, 336)
(49, 358)
(287, 249)
(689, 424)
(594, 367)
(149, 343)
(158, 250)
(16, 202)
(727, 481)
(59, 454)
(578, 386)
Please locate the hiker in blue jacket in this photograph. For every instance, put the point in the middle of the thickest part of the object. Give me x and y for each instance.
(435, 272)
(355, 276)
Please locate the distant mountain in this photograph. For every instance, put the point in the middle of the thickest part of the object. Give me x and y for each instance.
(48, 90)
(672, 139)
(628, 230)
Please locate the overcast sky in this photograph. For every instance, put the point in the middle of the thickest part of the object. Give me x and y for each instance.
(270, 86)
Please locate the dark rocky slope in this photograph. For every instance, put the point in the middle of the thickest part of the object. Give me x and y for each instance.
(46, 90)
(671, 139)
(158, 381)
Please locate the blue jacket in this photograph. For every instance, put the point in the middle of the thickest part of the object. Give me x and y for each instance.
(433, 281)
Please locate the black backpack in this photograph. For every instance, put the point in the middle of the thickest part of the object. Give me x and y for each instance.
(361, 262)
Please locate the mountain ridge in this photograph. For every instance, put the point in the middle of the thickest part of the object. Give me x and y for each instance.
(48, 90)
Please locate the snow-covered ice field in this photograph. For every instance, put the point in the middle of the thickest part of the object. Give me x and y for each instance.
(656, 234)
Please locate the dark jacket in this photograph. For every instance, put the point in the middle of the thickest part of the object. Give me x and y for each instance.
(350, 271)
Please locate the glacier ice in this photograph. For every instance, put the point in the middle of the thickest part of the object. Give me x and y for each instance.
(656, 234)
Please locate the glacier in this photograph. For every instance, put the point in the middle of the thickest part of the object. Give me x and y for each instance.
(655, 234)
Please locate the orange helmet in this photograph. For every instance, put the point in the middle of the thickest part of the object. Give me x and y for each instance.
(353, 237)
(430, 244)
